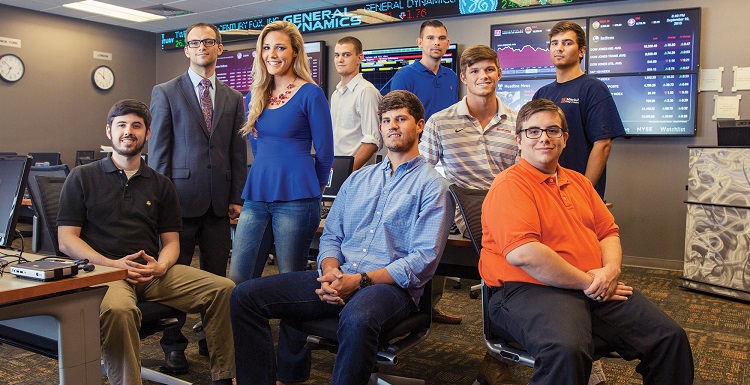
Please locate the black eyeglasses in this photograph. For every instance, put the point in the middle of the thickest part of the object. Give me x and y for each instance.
(197, 43)
(536, 133)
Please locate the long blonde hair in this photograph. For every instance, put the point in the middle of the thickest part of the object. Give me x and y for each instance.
(262, 81)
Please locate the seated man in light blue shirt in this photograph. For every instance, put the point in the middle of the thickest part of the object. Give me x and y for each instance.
(382, 242)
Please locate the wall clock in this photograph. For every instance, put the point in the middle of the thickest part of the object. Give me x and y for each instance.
(11, 68)
(103, 78)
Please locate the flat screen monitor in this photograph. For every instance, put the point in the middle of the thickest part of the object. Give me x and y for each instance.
(234, 68)
(516, 93)
(340, 170)
(656, 105)
(644, 42)
(523, 48)
(379, 65)
(14, 172)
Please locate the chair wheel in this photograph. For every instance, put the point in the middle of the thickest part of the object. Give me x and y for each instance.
(271, 260)
(473, 294)
(457, 285)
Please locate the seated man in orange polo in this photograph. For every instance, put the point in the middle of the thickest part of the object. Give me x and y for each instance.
(552, 256)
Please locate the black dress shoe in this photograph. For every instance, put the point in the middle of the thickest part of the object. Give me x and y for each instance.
(175, 363)
(203, 347)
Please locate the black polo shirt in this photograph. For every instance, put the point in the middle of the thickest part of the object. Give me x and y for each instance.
(118, 216)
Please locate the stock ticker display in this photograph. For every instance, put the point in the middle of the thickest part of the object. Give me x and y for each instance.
(375, 12)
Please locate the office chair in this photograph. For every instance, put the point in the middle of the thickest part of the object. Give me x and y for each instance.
(498, 342)
(321, 335)
(42, 241)
(84, 154)
(50, 158)
(155, 317)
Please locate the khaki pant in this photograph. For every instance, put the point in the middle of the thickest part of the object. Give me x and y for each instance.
(184, 288)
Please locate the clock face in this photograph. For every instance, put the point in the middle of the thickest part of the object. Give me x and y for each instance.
(103, 78)
(11, 68)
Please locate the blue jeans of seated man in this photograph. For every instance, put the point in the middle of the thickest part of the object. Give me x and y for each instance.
(292, 296)
(293, 224)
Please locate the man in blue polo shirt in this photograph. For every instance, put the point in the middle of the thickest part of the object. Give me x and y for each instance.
(436, 86)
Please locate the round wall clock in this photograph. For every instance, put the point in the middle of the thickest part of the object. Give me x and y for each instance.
(11, 68)
(103, 78)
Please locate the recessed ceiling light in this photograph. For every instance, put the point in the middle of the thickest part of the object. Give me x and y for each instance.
(115, 11)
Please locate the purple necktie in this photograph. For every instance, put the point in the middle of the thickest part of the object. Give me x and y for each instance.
(206, 106)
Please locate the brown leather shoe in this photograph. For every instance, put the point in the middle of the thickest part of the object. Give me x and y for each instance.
(493, 371)
(445, 318)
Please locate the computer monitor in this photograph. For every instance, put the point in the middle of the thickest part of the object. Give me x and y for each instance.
(46, 158)
(341, 169)
(732, 132)
(14, 172)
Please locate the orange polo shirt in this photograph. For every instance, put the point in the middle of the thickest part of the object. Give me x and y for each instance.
(525, 205)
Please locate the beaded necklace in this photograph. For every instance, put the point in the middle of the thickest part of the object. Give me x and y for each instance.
(282, 98)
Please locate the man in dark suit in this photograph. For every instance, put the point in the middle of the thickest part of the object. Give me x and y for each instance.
(195, 142)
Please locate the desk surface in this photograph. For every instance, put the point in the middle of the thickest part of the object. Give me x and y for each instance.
(13, 288)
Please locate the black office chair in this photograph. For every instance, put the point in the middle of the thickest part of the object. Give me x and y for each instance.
(155, 316)
(84, 155)
(498, 342)
(46, 158)
(42, 241)
(321, 335)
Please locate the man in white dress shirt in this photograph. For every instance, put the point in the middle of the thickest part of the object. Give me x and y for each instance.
(354, 106)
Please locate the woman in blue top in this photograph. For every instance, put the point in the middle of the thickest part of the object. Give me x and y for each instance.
(288, 116)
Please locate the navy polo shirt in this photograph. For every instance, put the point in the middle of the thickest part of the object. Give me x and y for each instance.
(118, 216)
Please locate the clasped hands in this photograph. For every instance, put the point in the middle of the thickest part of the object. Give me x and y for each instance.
(138, 272)
(605, 286)
(336, 287)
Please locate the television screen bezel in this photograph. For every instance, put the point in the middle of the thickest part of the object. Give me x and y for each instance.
(17, 203)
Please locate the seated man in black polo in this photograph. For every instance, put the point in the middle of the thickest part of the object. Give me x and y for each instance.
(116, 212)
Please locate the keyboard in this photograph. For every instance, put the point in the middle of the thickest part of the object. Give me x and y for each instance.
(324, 211)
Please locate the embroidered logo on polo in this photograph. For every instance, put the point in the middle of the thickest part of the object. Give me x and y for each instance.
(569, 100)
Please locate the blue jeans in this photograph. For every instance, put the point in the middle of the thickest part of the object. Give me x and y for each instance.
(292, 296)
(293, 224)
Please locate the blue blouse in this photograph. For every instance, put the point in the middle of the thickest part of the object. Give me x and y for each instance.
(284, 168)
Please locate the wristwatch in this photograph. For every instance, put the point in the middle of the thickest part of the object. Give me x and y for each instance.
(364, 281)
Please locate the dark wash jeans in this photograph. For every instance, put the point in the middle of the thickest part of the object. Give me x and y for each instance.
(292, 296)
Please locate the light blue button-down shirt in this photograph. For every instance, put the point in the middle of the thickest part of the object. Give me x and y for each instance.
(399, 222)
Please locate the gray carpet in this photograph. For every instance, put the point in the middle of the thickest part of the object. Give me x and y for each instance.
(718, 328)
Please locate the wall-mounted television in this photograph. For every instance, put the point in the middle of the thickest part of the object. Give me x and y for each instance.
(523, 48)
(14, 173)
(649, 61)
(379, 65)
(234, 68)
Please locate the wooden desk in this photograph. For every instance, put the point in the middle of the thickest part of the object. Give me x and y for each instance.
(67, 311)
